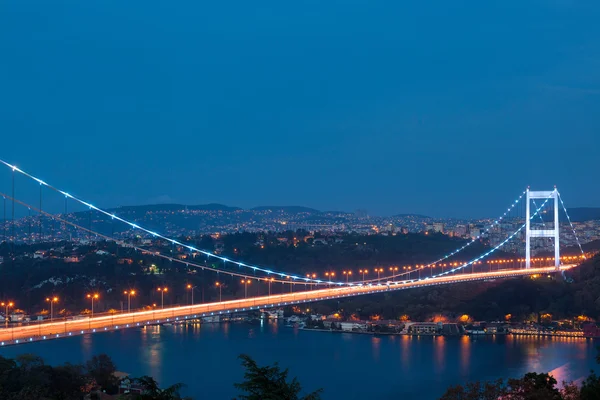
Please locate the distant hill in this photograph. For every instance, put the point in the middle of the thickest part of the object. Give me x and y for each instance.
(411, 215)
(338, 212)
(175, 207)
(289, 209)
(214, 207)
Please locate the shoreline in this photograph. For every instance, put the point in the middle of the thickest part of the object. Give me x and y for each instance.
(535, 334)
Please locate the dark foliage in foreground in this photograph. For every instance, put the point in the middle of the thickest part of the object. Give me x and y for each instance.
(270, 383)
(28, 377)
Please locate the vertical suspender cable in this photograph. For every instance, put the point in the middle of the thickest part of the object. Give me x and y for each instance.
(12, 228)
(4, 221)
(41, 230)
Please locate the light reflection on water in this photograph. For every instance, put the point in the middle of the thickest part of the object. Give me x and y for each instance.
(205, 358)
(465, 354)
(439, 354)
(376, 346)
(405, 348)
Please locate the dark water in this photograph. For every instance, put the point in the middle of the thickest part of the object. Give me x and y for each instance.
(347, 366)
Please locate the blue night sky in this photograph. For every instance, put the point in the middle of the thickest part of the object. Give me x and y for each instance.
(446, 108)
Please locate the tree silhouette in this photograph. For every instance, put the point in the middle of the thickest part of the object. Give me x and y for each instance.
(270, 383)
(153, 392)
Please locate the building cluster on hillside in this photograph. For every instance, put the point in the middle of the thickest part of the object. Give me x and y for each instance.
(178, 221)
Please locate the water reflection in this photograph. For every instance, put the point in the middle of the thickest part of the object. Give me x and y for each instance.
(405, 349)
(274, 327)
(465, 354)
(416, 367)
(439, 353)
(376, 347)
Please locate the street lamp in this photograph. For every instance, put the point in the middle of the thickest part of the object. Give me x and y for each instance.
(93, 296)
(162, 291)
(129, 293)
(379, 270)
(246, 282)
(330, 276)
(363, 272)
(393, 271)
(6, 305)
(313, 276)
(220, 286)
(270, 281)
(348, 274)
(52, 301)
(191, 288)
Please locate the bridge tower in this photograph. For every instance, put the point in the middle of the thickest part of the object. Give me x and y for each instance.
(550, 233)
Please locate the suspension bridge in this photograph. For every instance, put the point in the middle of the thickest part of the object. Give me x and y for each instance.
(533, 227)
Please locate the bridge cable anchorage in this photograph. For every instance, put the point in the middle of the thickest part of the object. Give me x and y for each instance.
(153, 253)
(570, 223)
(158, 235)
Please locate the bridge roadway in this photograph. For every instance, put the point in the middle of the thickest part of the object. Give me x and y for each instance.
(53, 330)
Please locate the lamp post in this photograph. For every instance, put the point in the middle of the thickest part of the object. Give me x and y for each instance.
(246, 282)
(6, 306)
(379, 270)
(347, 273)
(363, 272)
(270, 281)
(330, 276)
(162, 291)
(191, 288)
(129, 293)
(93, 296)
(313, 276)
(52, 301)
(393, 271)
(220, 286)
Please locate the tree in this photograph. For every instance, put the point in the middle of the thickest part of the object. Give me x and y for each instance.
(153, 392)
(476, 391)
(534, 386)
(590, 389)
(570, 391)
(102, 369)
(68, 382)
(270, 383)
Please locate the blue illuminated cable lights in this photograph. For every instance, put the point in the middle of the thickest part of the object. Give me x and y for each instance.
(158, 235)
(455, 252)
(496, 247)
(544, 224)
(570, 223)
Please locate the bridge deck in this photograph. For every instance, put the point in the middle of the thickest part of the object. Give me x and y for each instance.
(53, 330)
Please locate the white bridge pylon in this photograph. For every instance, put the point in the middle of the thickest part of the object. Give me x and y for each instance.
(542, 233)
